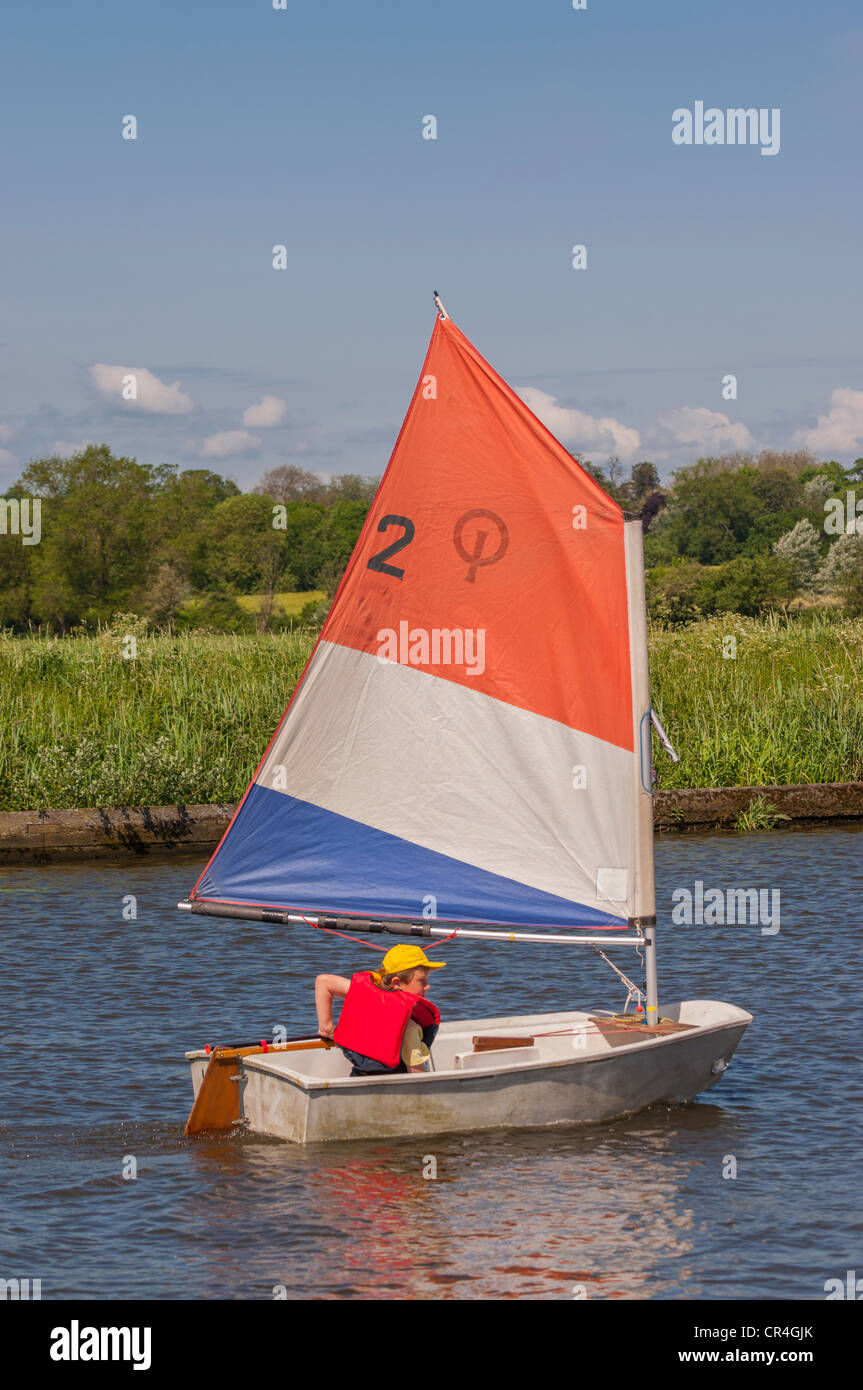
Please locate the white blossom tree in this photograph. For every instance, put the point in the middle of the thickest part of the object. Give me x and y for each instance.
(800, 546)
(817, 489)
(844, 556)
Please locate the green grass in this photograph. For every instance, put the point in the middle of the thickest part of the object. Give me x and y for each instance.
(288, 604)
(188, 719)
(760, 814)
(787, 708)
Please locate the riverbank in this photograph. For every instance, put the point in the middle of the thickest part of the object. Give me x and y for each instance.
(182, 720)
(41, 837)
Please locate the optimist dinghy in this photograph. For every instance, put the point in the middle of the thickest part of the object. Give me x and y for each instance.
(468, 754)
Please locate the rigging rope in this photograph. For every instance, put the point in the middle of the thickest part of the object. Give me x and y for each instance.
(373, 944)
(634, 991)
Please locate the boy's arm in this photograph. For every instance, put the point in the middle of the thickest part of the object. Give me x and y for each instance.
(328, 988)
(414, 1053)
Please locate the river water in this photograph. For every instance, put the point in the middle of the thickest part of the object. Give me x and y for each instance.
(99, 1011)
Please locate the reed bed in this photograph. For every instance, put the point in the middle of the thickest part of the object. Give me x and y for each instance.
(786, 707)
(185, 721)
(188, 718)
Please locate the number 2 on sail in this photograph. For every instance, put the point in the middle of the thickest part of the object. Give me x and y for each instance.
(379, 561)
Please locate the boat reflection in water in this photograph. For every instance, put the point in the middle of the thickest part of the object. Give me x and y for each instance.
(596, 1213)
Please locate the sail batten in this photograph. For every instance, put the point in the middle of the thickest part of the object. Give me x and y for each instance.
(464, 744)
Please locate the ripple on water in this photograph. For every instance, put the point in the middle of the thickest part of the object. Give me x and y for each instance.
(635, 1209)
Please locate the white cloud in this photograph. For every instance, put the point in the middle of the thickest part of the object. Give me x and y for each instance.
(227, 442)
(154, 397)
(709, 430)
(6, 432)
(604, 435)
(268, 411)
(840, 431)
(66, 450)
(6, 457)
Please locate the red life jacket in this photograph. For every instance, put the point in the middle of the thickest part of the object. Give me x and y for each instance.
(427, 1015)
(373, 1020)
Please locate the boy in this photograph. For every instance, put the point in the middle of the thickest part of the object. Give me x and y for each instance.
(386, 1024)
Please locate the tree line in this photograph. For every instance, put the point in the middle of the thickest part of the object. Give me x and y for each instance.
(175, 547)
(744, 533)
(733, 533)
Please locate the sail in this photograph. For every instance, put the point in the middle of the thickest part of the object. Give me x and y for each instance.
(464, 743)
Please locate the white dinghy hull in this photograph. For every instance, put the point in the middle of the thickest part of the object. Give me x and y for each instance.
(580, 1069)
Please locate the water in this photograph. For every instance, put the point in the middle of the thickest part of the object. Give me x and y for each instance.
(99, 1012)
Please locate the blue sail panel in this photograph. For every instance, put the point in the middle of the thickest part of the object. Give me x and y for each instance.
(337, 865)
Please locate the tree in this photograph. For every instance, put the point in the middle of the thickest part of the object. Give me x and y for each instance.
(750, 584)
(303, 541)
(351, 487)
(850, 587)
(608, 481)
(641, 495)
(716, 512)
(180, 511)
(842, 561)
(162, 599)
(16, 571)
(652, 505)
(96, 532)
(339, 533)
(793, 461)
(816, 489)
(643, 480)
(246, 552)
(217, 610)
(801, 547)
(289, 483)
(672, 592)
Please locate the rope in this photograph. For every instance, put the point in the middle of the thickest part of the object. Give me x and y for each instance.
(594, 1028)
(443, 941)
(634, 992)
(358, 939)
(373, 944)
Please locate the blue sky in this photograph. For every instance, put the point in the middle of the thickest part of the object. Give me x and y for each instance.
(304, 127)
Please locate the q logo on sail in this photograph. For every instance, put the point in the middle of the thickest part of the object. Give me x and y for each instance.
(475, 558)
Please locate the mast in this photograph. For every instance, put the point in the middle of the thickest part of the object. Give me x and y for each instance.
(644, 897)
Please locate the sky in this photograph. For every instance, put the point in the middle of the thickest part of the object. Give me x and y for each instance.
(303, 127)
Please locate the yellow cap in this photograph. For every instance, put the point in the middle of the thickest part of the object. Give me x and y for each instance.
(408, 958)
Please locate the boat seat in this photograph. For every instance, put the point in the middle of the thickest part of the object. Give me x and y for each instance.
(491, 1043)
(502, 1057)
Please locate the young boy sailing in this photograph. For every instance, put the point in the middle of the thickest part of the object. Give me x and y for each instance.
(386, 1024)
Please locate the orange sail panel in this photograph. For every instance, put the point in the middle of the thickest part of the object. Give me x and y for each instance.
(485, 526)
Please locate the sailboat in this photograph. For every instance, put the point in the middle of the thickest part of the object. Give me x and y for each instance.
(467, 754)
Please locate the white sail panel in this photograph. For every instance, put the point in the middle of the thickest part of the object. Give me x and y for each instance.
(461, 774)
